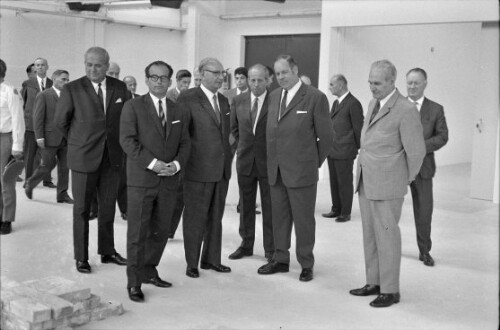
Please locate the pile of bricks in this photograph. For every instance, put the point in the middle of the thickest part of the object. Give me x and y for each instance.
(51, 303)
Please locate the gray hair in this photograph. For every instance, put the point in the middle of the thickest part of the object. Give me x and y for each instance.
(387, 67)
(99, 51)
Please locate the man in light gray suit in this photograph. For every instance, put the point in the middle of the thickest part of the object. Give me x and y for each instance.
(391, 153)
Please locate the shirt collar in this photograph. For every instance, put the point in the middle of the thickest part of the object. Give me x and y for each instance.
(261, 97)
(208, 93)
(295, 88)
(385, 99)
(40, 79)
(419, 102)
(58, 92)
(238, 91)
(96, 85)
(156, 99)
(342, 97)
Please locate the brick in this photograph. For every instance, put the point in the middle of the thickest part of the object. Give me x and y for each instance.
(12, 322)
(116, 307)
(87, 304)
(80, 319)
(60, 287)
(30, 310)
(59, 306)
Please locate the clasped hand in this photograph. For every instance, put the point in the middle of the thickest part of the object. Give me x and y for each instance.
(164, 169)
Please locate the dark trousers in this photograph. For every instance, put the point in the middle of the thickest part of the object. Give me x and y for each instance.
(50, 157)
(341, 186)
(84, 185)
(149, 216)
(122, 188)
(248, 195)
(423, 204)
(203, 212)
(32, 156)
(294, 206)
(179, 207)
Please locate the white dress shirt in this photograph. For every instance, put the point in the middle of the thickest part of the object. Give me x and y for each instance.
(342, 97)
(210, 96)
(385, 99)
(103, 88)
(418, 102)
(40, 80)
(12, 115)
(291, 92)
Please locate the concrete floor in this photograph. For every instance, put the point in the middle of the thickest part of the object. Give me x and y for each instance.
(460, 292)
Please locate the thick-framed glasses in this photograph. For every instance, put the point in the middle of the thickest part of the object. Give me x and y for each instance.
(218, 73)
(155, 78)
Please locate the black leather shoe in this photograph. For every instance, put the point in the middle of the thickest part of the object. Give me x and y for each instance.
(92, 216)
(257, 211)
(385, 300)
(306, 275)
(29, 191)
(124, 216)
(83, 266)
(427, 259)
(135, 294)
(218, 268)
(367, 290)
(49, 184)
(192, 272)
(343, 218)
(331, 214)
(240, 253)
(273, 267)
(157, 281)
(66, 199)
(5, 228)
(114, 258)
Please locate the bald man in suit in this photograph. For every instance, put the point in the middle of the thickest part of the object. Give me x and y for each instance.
(391, 153)
(299, 137)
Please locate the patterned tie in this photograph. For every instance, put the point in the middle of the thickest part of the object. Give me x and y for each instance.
(282, 105)
(253, 112)
(161, 114)
(335, 106)
(216, 108)
(375, 110)
(100, 97)
(43, 85)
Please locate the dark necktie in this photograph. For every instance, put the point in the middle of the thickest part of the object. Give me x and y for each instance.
(216, 108)
(282, 105)
(43, 85)
(161, 114)
(253, 112)
(375, 110)
(335, 106)
(101, 97)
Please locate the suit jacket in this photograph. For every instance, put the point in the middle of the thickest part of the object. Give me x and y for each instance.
(143, 139)
(250, 147)
(435, 134)
(392, 149)
(347, 121)
(299, 142)
(29, 93)
(210, 157)
(43, 118)
(86, 127)
(173, 94)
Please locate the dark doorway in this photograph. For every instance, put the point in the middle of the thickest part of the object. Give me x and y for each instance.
(304, 48)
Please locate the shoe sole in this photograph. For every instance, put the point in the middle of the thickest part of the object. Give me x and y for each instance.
(278, 271)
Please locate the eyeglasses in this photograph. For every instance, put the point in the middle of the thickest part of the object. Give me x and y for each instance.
(155, 78)
(218, 73)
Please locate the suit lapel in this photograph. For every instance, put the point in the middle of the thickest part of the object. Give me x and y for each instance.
(170, 118)
(110, 88)
(151, 109)
(424, 110)
(207, 105)
(342, 104)
(263, 110)
(89, 88)
(385, 109)
(296, 99)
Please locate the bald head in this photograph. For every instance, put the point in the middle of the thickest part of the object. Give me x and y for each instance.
(113, 70)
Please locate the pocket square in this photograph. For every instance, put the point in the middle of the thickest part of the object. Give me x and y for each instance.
(227, 114)
(119, 100)
(176, 122)
(300, 111)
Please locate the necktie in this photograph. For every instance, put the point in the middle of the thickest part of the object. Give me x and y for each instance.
(335, 106)
(100, 96)
(375, 110)
(216, 108)
(253, 112)
(161, 114)
(282, 105)
(416, 104)
(43, 85)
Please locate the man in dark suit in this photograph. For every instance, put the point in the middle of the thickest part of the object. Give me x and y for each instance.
(347, 120)
(88, 114)
(131, 85)
(153, 134)
(299, 137)
(248, 125)
(53, 146)
(241, 81)
(435, 136)
(391, 153)
(31, 88)
(208, 169)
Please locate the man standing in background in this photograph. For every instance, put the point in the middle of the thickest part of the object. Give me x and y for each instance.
(183, 80)
(241, 82)
(114, 70)
(435, 136)
(131, 85)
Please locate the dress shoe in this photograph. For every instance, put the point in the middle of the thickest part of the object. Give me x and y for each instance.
(257, 211)
(5, 228)
(124, 216)
(92, 216)
(367, 290)
(29, 191)
(240, 253)
(83, 266)
(19, 179)
(157, 281)
(385, 300)
(331, 214)
(218, 268)
(115, 258)
(49, 184)
(65, 199)
(273, 267)
(306, 275)
(135, 294)
(192, 272)
(427, 259)
(343, 218)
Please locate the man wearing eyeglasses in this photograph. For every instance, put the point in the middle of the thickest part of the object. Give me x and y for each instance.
(208, 169)
(153, 134)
